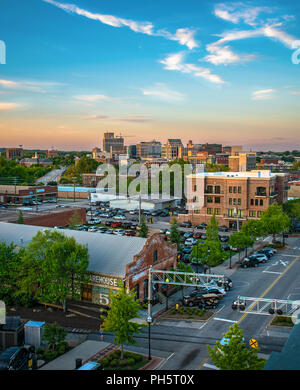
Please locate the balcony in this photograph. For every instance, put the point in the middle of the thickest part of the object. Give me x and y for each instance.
(262, 194)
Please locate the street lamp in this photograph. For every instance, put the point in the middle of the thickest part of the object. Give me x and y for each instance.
(149, 320)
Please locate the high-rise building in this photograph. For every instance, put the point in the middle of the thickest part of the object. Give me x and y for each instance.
(113, 145)
(173, 149)
(11, 153)
(242, 162)
(212, 148)
(148, 149)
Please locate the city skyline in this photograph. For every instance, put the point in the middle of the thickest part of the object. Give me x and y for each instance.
(211, 72)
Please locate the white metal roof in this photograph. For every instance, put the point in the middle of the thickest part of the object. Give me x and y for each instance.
(109, 253)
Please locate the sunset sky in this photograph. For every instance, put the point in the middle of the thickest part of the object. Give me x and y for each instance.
(209, 71)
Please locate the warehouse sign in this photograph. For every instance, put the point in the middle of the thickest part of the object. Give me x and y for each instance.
(106, 281)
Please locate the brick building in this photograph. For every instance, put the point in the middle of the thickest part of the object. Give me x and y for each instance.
(233, 197)
(26, 195)
(12, 153)
(114, 260)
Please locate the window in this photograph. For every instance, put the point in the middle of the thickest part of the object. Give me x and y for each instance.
(209, 189)
(234, 190)
(234, 200)
(231, 213)
(217, 211)
(155, 256)
(217, 189)
(252, 202)
(239, 201)
(210, 211)
(252, 213)
(261, 202)
(240, 213)
(209, 199)
(239, 190)
(217, 199)
(230, 200)
(195, 188)
(259, 214)
(256, 202)
(195, 199)
(261, 191)
(230, 190)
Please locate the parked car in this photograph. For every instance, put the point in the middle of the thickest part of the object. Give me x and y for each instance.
(196, 297)
(130, 233)
(202, 226)
(262, 258)
(186, 224)
(226, 247)
(119, 216)
(197, 236)
(224, 238)
(116, 224)
(204, 236)
(119, 232)
(186, 257)
(164, 214)
(188, 235)
(223, 228)
(267, 251)
(247, 262)
(187, 249)
(190, 242)
(14, 358)
(109, 231)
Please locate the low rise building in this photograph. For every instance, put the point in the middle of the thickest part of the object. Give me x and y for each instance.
(115, 261)
(26, 195)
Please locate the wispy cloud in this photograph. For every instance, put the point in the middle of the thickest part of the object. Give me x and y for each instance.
(33, 86)
(263, 94)
(8, 106)
(240, 12)
(162, 92)
(184, 36)
(176, 62)
(94, 98)
(133, 118)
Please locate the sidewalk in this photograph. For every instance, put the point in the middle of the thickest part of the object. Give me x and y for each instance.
(83, 351)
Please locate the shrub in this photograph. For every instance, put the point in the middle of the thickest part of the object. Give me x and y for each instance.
(123, 363)
(113, 363)
(138, 358)
(50, 354)
(131, 362)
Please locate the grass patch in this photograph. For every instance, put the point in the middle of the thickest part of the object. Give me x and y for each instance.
(190, 313)
(282, 321)
(130, 361)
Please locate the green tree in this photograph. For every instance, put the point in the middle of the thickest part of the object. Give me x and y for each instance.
(175, 235)
(118, 319)
(20, 218)
(241, 241)
(54, 335)
(212, 231)
(234, 355)
(53, 266)
(253, 228)
(274, 220)
(143, 228)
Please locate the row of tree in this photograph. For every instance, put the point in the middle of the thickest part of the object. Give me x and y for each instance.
(49, 269)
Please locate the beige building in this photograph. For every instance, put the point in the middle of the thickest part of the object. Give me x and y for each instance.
(232, 197)
(242, 162)
(172, 150)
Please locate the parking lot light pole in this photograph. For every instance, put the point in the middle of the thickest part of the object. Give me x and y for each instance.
(149, 320)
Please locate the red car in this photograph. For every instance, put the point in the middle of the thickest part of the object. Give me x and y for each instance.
(116, 224)
(197, 236)
(130, 233)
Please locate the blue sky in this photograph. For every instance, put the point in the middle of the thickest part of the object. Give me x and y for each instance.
(210, 71)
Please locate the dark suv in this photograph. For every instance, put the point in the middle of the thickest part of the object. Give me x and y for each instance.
(249, 262)
(196, 297)
(14, 358)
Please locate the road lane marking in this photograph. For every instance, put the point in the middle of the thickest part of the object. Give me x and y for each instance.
(269, 288)
(224, 319)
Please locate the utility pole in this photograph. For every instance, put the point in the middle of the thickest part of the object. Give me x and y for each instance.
(140, 204)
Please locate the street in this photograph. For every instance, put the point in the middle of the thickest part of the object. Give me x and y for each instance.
(184, 343)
